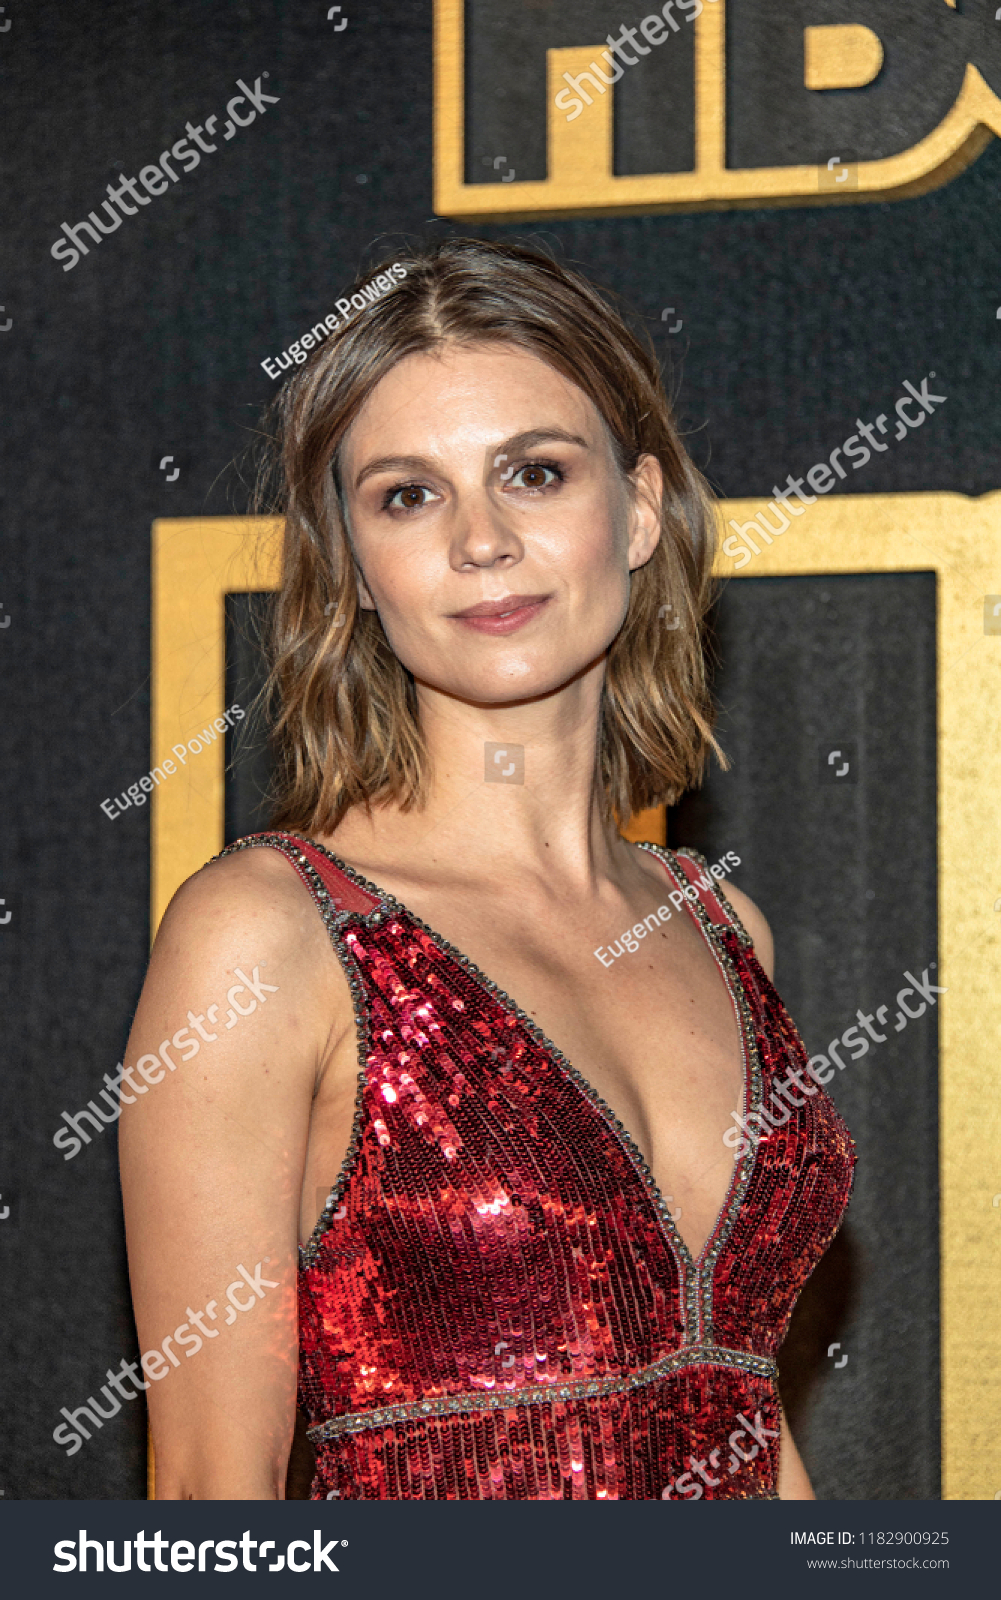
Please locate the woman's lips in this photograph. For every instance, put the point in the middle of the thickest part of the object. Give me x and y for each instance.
(502, 616)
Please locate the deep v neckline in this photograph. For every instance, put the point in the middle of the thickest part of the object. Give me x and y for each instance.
(750, 1069)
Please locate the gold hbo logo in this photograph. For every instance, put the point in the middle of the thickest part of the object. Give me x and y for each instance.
(598, 107)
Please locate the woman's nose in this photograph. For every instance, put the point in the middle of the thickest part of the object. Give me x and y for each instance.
(483, 536)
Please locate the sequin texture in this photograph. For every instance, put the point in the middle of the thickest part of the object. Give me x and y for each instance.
(495, 1303)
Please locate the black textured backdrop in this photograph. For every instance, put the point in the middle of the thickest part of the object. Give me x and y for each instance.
(795, 322)
(772, 119)
(844, 870)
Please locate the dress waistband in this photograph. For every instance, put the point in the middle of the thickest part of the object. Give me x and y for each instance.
(448, 1405)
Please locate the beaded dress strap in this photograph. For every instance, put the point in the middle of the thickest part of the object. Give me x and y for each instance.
(303, 854)
(696, 869)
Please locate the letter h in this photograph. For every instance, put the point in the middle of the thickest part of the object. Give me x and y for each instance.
(90, 1544)
(71, 1418)
(575, 85)
(71, 233)
(74, 1123)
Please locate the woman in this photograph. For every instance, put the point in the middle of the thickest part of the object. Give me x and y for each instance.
(487, 648)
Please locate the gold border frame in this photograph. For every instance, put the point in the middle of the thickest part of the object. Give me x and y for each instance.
(580, 181)
(196, 561)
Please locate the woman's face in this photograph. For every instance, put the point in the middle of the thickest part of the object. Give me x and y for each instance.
(491, 526)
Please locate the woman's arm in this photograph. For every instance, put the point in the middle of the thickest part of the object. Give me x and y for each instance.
(243, 1006)
(794, 1483)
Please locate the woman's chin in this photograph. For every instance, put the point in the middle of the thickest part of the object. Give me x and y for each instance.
(513, 685)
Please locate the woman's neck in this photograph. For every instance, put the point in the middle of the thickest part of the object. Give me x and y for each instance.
(513, 787)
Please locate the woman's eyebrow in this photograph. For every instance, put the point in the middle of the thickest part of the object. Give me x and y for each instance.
(519, 445)
(522, 443)
(393, 464)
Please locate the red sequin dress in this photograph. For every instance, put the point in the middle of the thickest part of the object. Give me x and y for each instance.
(495, 1303)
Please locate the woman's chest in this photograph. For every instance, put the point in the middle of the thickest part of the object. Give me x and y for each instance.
(483, 1151)
(658, 1039)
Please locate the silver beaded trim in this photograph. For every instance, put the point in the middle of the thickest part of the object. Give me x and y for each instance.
(717, 889)
(700, 1274)
(479, 1400)
(696, 1279)
(624, 1137)
(290, 846)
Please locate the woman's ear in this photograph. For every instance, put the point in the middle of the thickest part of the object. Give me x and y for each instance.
(647, 482)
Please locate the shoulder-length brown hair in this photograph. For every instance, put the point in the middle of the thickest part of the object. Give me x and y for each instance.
(345, 722)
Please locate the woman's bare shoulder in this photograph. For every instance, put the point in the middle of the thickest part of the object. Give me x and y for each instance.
(250, 900)
(752, 918)
(756, 924)
(258, 882)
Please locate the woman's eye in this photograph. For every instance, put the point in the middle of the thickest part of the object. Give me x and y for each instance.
(535, 476)
(410, 498)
